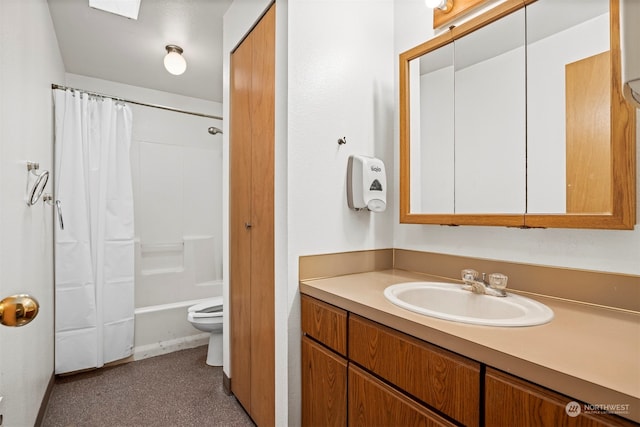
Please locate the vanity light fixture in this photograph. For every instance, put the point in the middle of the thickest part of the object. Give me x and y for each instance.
(174, 62)
(443, 5)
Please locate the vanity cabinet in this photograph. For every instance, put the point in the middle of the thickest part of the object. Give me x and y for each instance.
(358, 372)
(416, 377)
(511, 401)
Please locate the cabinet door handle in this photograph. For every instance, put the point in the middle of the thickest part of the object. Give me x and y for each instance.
(247, 225)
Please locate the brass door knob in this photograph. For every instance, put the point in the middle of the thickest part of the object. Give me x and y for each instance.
(18, 310)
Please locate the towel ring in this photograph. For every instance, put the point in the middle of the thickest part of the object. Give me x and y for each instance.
(48, 199)
(36, 190)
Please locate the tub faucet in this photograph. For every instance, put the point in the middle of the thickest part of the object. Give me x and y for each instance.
(495, 286)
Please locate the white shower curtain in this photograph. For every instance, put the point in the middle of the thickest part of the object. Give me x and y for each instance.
(94, 254)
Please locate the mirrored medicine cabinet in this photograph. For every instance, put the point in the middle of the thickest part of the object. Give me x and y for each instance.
(516, 118)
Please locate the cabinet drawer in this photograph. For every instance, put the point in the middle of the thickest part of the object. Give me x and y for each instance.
(373, 403)
(324, 386)
(325, 323)
(443, 380)
(513, 401)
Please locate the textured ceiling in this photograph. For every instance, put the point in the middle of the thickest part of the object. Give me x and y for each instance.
(98, 44)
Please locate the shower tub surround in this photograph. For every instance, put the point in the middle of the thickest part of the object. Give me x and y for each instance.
(177, 173)
(169, 279)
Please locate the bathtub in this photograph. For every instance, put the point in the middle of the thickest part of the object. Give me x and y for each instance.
(162, 329)
(170, 277)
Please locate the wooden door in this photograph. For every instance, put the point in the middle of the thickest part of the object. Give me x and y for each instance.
(588, 122)
(252, 313)
(239, 220)
(262, 231)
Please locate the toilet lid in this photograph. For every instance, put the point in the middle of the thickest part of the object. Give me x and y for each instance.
(210, 305)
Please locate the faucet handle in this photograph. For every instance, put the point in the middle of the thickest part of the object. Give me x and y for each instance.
(469, 275)
(498, 281)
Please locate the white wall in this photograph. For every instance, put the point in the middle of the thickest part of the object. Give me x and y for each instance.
(546, 133)
(334, 64)
(489, 151)
(434, 145)
(29, 62)
(602, 250)
(340, 85)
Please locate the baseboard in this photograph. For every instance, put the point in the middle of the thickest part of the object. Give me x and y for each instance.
(226, 383)
(165, 347)
(45, 402)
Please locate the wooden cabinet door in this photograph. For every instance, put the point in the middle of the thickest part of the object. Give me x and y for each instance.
(511, 401)
(324, 323)
(373, 403)
(324, 386)
(251, 221)
(445, 381)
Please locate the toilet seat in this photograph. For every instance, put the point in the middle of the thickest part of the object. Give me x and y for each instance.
(208, 309)
(211, 307)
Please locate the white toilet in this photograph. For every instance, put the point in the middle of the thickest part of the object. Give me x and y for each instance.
(207, 316)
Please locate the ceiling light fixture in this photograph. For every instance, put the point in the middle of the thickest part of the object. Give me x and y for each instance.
(174, 62)
(443, 5)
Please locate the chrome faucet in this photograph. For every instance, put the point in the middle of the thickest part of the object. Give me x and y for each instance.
(495, 286)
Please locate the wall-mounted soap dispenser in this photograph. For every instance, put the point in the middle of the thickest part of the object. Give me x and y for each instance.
(366, 184)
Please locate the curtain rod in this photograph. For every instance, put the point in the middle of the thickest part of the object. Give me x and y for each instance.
(162, 107)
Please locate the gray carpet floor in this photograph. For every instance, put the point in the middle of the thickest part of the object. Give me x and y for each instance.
(176, 389)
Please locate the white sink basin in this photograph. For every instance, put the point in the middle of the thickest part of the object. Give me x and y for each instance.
(450, 302)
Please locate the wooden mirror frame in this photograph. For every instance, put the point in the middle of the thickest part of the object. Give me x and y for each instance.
(459, 9)
(623, 142)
